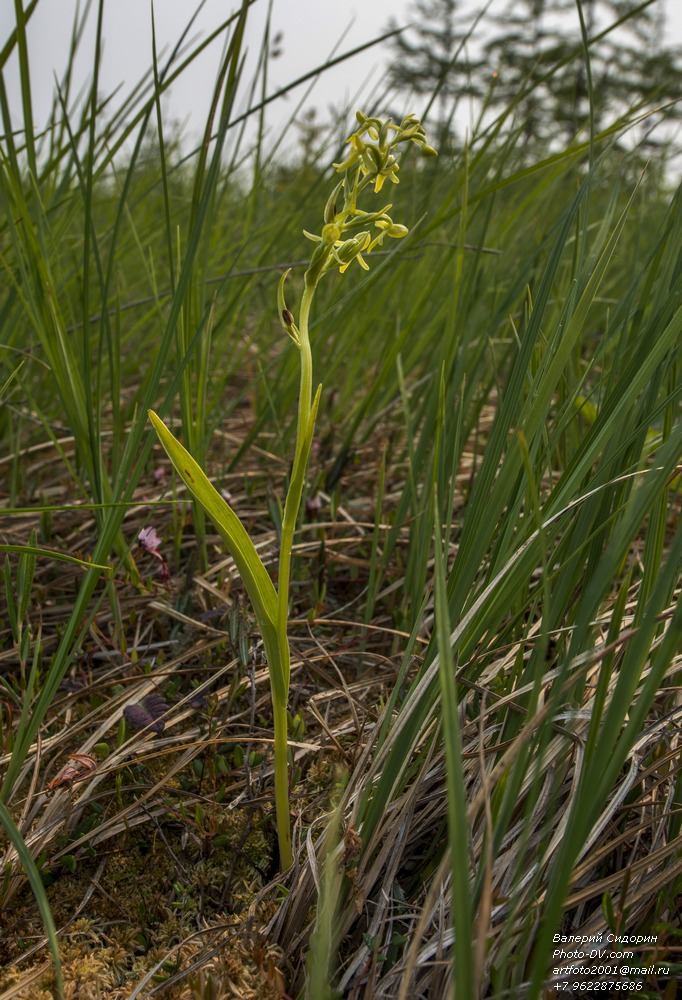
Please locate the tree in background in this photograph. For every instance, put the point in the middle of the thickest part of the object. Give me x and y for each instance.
(529, 54)
(533, 51)
(432, 59)
(537, 52)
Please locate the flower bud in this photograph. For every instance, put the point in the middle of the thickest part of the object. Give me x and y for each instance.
(330, 207)
(330, 234)
(349, 250)
(373, 159)
(395, 230)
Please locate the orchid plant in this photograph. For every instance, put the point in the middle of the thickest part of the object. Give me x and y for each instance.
(348, 234)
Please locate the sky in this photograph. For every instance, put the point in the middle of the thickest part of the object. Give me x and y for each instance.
(311, 29)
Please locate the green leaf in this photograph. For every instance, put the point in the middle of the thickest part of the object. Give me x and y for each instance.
(458, 829)
(11, 603)
(36, 550)
(311, 427)
(27, 565)
(252, 571)
(38, 888)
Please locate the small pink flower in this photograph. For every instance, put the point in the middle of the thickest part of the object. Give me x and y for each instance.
(314, 504)
(149, 540)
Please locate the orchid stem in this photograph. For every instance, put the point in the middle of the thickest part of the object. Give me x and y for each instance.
(291, 508)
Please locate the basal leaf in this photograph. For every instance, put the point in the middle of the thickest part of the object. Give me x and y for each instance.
(252, 571)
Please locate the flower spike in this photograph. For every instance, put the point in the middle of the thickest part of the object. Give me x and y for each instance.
(371, 160)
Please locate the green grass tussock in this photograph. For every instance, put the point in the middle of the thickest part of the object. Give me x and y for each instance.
(484, 607)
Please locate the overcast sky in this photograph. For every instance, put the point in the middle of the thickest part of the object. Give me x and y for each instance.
(311, 29)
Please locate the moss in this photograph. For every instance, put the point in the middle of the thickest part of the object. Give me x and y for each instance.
(244, 966)
(158, 887)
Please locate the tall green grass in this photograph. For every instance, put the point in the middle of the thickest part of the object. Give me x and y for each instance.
(515, 362)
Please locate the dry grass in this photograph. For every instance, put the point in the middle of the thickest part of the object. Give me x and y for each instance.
(627, 854)
(148, 819)
(161, 863)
